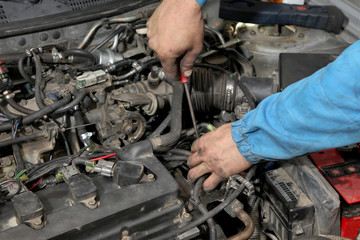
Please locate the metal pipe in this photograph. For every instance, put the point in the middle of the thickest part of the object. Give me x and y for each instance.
(249, 225)
(100, 23)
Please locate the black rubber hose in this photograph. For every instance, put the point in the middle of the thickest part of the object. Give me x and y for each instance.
(20, 165)
(21, 139)
(79, 96)
(7, 113)
(164, 124)
(241, 85)
(48, 58)
(80, 53)
(174, 158)
(21, 68)
(202, 208)
(121, 63)
(31, 118)
(149, 63)
(11, 58)
(180, 151)
(38, 80)
(161, 142)
(18, 107)
(210, 214)
(79, 121)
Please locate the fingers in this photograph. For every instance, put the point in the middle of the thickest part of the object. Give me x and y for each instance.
(170, 66)
(194, 159)
(196, 145)
(197, 172)
(187, 62)
(212, 181)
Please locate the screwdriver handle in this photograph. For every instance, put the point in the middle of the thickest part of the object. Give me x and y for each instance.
(183, 79)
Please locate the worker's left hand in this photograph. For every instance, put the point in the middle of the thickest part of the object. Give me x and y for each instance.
(216, 153)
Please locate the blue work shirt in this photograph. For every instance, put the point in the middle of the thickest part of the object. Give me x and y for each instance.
(319, 112)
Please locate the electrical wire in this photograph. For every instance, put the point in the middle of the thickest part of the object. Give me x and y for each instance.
(37, 183)
(103, 157)
(20, 173)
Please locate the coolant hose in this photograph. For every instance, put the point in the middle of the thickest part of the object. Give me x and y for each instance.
(80, 53)
(79, 96)
(164, 124)
(161, 142)
(38, 79)
(18, 140)
(20, 165)
(119, 64)
(79, 121)
(22, 72)
(36, 115)
(18, 107)
(7, 113)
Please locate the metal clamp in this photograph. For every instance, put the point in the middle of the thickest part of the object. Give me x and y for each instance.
(235, 181)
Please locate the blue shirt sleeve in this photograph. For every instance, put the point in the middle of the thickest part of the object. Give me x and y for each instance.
(201, 2)
(319, 112)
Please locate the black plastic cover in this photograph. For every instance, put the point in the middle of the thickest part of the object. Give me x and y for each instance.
(81, 187)
(27, 206)
(145, 209)
(295, 66)
(291, 212)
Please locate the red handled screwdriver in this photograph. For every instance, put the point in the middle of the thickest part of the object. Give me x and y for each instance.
(185, 80)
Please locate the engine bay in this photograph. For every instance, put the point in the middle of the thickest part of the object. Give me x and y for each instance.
(95, 138)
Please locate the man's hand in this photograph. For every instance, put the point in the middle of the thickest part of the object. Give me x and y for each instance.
(216, 152)
(176, 33)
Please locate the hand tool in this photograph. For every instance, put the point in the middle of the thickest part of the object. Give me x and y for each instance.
(185, 80)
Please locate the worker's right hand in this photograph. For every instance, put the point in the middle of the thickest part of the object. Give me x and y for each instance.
(216, 153)
(176, 34)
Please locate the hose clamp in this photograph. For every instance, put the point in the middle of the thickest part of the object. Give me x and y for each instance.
(235, 181)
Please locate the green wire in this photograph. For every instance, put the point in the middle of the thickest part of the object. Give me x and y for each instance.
(20, 173)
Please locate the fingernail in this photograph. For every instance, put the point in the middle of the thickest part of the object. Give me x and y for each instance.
(206, 188)
(187, 73)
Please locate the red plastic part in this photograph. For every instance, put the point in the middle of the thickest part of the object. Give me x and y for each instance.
(347, 185)
(326, 158)
(183, 79)
(350, 227)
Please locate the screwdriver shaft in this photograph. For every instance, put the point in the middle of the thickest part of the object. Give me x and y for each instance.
(187, 92)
